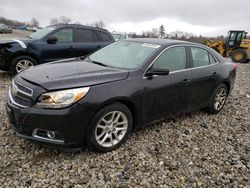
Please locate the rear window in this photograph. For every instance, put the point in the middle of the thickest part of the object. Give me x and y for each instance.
(104, 36)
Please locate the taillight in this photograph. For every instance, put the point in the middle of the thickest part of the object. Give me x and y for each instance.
(235, 66)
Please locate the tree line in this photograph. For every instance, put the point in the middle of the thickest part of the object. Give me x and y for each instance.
(154, 33)
(15, 23)
(175, 35)
(53, 21)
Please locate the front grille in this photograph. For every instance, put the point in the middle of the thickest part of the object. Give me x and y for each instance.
(20, 95)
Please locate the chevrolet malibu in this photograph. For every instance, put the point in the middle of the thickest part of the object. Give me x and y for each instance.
(100, 99)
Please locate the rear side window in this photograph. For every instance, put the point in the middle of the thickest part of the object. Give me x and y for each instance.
(64, 35)
(104, 36)
(173, 59)
(211, 59)
(84, 35)
(200, 57)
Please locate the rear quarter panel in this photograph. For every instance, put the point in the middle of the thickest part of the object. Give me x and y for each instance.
(227, 73)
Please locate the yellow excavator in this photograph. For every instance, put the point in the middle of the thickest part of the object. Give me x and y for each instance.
(236, 46)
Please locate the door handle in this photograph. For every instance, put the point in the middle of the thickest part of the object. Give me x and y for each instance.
(214, 74)
(186, 81)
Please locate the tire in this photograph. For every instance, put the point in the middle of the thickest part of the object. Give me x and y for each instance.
(215, 106)
(103, 130)
(15, 65)
(239, 56)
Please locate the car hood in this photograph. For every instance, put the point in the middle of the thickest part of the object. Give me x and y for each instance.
(23, 42)
(70, 74)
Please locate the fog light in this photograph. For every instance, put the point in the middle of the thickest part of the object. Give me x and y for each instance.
(51, 134)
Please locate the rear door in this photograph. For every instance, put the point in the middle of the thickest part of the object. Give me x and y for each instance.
(86, 42)
(167, 94)
(203, 77)
(63, 48)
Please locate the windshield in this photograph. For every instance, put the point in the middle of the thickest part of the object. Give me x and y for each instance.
(41, 33)
(124, 54)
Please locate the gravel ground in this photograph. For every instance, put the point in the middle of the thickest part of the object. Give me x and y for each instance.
(192, 150)
(15, 34)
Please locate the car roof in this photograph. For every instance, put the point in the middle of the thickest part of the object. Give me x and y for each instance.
(162, 42)
(168, 42)
(77, 26)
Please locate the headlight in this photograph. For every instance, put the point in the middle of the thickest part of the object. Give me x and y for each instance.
(61, 99)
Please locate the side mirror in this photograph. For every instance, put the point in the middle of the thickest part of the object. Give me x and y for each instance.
(157, 71)
(52, 40)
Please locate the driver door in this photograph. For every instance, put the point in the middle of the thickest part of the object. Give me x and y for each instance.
(164, 95)
(63, 48)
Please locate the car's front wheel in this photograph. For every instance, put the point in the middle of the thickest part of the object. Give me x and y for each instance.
(21, 63)
(110, 128)
(218, 99)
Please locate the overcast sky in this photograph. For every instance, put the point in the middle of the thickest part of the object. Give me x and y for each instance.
(205, 17)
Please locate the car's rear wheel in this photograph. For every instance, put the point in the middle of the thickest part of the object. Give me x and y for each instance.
(21, 63)
(239, 55)
(110, 128)
(218, 99)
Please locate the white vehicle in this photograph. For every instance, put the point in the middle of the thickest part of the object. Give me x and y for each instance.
(119, 36)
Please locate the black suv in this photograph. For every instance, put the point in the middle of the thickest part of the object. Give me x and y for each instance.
(50, 44)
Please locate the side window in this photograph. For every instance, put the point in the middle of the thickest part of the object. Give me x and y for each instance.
(200, 57)
(104, 36)
(64, 35)
(239, 36)
(84, 35)
(173, 59)
(232, 39)
(233, 36)
(211, 59)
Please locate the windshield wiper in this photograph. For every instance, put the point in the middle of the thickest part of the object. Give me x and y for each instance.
(95, 62)
(99, 63)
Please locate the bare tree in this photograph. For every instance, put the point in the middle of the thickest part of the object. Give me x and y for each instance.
(34, 22)
(65, 20)
(99, 23)
(60, 20)
(54, 21)
(155, 33)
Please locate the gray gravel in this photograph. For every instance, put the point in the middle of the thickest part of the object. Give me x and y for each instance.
(192, 150)
(15, 34)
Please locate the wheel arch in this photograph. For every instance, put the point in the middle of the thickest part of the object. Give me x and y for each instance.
(35, 57)
(125, 101)
(227, 83)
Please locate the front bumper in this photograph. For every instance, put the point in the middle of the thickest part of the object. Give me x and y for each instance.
(69, 125)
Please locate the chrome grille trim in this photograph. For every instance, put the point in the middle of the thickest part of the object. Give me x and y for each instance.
(20, 91)
(13, 102)
(19, 94)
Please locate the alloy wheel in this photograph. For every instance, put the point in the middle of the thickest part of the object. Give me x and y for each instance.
(111, 129)
(220, 98)
(23, 64)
